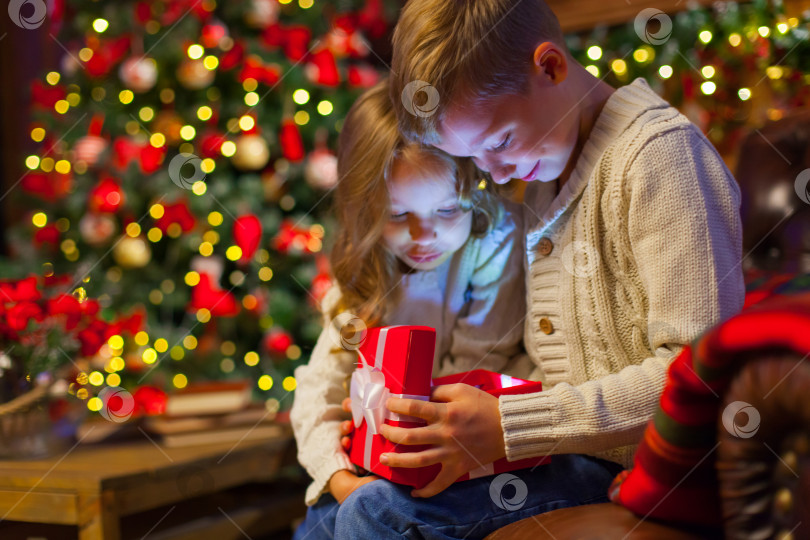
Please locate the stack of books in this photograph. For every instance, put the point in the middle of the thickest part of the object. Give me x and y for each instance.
(210, 413)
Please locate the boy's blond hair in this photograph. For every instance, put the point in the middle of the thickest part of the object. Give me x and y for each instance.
(468, 51)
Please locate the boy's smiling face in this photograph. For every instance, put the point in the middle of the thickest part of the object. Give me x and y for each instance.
(530, 136)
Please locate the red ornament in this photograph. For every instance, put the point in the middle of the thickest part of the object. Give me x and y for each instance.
(19, 290)
(88, 148)
(322, 69)
(211, 144)
(46, 95)
(106, 196)
(291, 238)
(176, 213)
(50, 186)
(48, 234)
(212, 34)
(149, 400)
(247, 233)
(254, 68)
(105, 55)
(233, 57)
(292, 146)
(277, 341)
(207, 295)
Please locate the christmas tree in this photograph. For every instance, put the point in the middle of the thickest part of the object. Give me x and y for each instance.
(184, 165)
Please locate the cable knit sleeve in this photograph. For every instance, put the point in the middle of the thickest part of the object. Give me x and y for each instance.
(677, 222)
(316, 413)
(489, 331)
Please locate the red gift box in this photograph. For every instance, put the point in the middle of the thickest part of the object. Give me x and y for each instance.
(397, 361)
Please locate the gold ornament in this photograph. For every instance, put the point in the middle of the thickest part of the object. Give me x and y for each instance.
(251, 153)
(132, 252)
(194, 75)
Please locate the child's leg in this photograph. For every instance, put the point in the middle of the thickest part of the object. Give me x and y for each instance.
(475, 508)
(319, 522)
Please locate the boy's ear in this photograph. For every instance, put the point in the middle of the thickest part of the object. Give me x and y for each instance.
(551, 61)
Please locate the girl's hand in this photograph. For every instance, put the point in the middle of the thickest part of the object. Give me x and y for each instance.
(346, 427)
(343, 483)
(463, 428)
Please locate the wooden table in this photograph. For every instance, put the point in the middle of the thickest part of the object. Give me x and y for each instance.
(93, 487)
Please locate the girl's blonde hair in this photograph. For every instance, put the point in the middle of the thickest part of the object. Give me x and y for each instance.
(369, 144)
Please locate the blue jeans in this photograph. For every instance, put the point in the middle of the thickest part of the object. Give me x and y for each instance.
(471, 509)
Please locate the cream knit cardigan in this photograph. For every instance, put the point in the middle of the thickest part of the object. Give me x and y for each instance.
(646, 256)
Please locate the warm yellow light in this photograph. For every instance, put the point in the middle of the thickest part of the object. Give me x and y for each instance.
(39, 219)
(46, 164)
(246, 123)
(161, 345)
(208, 165)
(306, 4)
(293, 352)
(251, 358)
(61, 106)
(149, 356)
(215, 219)
(592, 69)
(133, 229)
(705, 36)
(85, 54)
(190, 342)
(192, 278)
(100, 25)
(146, 114)
(126, 96)
(289, 384)
(774, 72)
(157, 140)
(265, 273)
(203, 315)
(782, 27)
(619, 66)
(37, 134)
(156, 210)
(249, 85)
(211, 62)
(116, 342)
(233, 253)
(113, 379)
(325, 108)
(53, 78)
(95, 404)
(594, 52)
(62, 166)
(204, 112)
(198, 188)
(187, 132)
(764, 31)
(177, 352)
(195, 51)
(251, 99)
(735, 39)
(228, 148)
(744, 94)
(708, 88)
(117, 363)
(179, 380)
(301, 118)
(141, 338)
(206, 249)
(301, 96)
(154, 234)
(641, 55)
(96, 378)
(32, 162)
(265, 382)
(707, 72)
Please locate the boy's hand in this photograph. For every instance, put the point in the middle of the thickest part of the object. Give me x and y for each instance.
(463, 427)
(347, 426)
(343, 483)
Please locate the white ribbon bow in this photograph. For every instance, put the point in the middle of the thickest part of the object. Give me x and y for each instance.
(369, 394)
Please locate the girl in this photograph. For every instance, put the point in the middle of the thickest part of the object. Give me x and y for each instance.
(418, 243)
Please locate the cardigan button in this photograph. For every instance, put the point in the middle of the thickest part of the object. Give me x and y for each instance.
(545, 246)
(545, 326)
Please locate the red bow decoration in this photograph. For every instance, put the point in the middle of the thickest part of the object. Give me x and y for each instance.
(176, 213)
(294, 40)
(277, 341)
(233, 57)
(254, 68)
(19, 290)
(292, 146)
(247, 233)
(106, 53)
(206, 295)
(291, 238)
(45, 94)
(48, 234)
(50, 186)
(149, 158)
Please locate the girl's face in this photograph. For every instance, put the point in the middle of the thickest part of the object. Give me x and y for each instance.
(427, 224)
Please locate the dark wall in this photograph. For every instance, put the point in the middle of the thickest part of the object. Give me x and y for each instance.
(24, 55)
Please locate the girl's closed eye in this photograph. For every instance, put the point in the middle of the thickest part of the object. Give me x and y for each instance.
(400, 216)
(448, 212)
(505, 143)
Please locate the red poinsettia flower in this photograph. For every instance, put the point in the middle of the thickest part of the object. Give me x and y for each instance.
(51, 187)
(19, 290)
(207, 295)
(176, 213)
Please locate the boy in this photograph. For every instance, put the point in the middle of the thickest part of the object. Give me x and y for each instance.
(633, 249)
